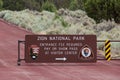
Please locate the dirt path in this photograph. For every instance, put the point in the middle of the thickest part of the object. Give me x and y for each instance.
(9, 35)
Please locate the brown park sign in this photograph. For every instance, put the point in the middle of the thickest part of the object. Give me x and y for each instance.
(60, 48)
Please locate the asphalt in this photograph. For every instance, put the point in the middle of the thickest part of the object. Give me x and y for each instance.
(9, 70)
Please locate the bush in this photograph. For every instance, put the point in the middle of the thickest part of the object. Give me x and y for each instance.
(1, 4)
(20, 5)
(13, 4)
(32, 4)
(102, 9)
(49, 6)
(73, 5)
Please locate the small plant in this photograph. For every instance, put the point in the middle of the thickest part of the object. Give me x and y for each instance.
(49, 6)
(56, 16)
(63, 22)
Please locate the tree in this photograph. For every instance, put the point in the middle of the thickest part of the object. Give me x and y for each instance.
(1, 4)
(73, 5)
(21, 4)
(32, 4)
(13, 4)
(103, 9)
(49, 6)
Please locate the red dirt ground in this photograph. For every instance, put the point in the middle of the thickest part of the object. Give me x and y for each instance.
(9, 35)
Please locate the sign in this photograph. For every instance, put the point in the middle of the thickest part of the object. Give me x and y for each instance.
(60, 48)
(107, 50)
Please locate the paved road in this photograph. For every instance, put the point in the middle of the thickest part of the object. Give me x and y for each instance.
(9, 34)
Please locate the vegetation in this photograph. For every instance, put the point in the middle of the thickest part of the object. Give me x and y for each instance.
(73, 5)
(103, 9)
(21, 4)
(96, 9)
(49, 6)
(1, 4)
(13, 4)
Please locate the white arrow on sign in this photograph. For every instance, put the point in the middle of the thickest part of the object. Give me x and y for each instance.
(61, 59)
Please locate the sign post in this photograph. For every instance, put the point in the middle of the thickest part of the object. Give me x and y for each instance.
(60, 48)
(107, 50)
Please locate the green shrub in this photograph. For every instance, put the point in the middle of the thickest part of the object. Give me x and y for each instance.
(73, 5)
(63, 22)
(61, 3)
(32, 4)
(21, 4)
(49, 6)
(13, 4)
(1, 4)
